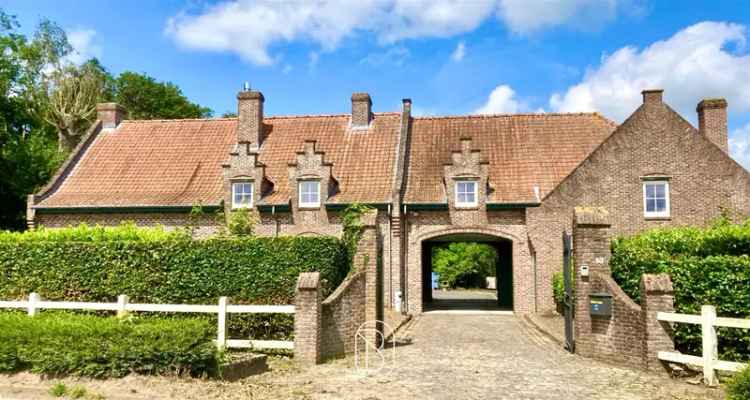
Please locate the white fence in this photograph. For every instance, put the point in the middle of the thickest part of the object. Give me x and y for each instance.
(710, 358)
(223, 308)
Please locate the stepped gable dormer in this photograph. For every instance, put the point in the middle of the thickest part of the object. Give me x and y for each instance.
(466, 180)
(311, 183)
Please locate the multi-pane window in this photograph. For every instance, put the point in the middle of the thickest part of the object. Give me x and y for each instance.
(656, 199)
(242, 194)
(309, 194)
(466, 193)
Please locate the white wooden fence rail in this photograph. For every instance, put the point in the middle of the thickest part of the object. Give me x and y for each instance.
(123, 305)
(710, 357)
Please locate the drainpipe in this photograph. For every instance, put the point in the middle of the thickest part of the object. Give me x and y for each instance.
(276, 220)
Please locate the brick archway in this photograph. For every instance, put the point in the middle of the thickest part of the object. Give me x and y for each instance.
(520, 262)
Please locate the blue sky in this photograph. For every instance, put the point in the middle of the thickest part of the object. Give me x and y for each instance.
(449, 57)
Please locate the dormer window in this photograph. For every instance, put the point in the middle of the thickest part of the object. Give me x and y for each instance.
(656, 199)
(466, 193)
(242, 194)
(309, 194)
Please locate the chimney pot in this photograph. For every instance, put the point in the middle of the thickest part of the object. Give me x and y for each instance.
(712, 122)
(111, 114)
(250, 117)
(652, 96)
(361, 110)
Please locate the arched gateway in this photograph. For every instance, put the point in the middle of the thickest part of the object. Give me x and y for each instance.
(513, 261)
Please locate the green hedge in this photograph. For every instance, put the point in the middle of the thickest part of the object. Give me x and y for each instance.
(707, 266)
(106, 347)
(170, 268)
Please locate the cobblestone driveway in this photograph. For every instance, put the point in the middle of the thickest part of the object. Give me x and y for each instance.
(450, 357)
(499, 357)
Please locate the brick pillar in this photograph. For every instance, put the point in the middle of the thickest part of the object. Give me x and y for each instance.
(657, 294)
(366, 259)
(591, 247)
(307, 318)
(30, 212)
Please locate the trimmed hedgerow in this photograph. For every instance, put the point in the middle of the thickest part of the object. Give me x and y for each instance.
(87, 345)
(707, 266)
(165, 268)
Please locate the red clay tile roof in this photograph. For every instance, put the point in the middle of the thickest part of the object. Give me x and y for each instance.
(178, 162)
(523, 150)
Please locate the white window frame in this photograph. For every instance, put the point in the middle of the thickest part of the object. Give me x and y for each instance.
(466, 204)
(303, 204)
(667, 209)
(235, 185)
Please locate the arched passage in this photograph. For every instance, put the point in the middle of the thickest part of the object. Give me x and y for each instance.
(499, 298)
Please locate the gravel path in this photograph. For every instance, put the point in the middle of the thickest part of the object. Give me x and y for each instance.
(449, 357)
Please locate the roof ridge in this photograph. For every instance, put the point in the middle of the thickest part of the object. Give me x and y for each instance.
(139, 121)
(508, 115)
(162, 120)
(325, 115)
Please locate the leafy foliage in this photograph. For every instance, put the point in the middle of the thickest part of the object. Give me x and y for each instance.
(242, 222)
(707, 266)
(154, 266)
(106, 347)
(464, 263)
(145, 98)
(738, 387)
(352, 226)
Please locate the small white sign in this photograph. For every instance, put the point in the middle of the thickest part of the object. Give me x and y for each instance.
(584, 270)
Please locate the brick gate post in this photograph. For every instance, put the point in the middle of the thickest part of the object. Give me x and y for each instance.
(307, 319)
(366, 260)
(657, 295)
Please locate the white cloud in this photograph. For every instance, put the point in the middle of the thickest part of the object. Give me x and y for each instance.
(501, 101)
(701, 61)
(251, 28)
(527, 16)
(394, 55)
(739, 145)
(459, 53)
(83, 44)
(287, 69)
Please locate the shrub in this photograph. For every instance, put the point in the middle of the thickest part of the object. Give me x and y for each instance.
(738, 387)
(87, 345)
(169, 268)
(465, 264)
(707, 266)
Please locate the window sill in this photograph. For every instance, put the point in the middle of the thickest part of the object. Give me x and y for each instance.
(308, 208)
(467, 208)
(235, 208)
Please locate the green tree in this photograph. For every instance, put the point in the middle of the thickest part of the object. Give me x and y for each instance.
(28, 148)
(145, 98)
(464, 263)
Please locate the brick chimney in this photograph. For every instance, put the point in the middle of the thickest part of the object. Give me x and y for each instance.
(250, 116)
(712, 122)
(361, 110)
(652, 96)
(111, 114)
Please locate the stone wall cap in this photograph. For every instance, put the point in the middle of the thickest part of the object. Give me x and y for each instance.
(591, 216)
(656, 283)
(308, 281)
(711, 103)
(250, 95)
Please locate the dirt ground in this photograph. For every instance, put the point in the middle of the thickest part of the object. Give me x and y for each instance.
(441, 356)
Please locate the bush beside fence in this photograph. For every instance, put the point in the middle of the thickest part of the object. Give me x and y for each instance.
(66, 343)
(172, 269)
(707, 266)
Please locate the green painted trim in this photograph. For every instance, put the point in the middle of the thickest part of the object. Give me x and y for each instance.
(427, 206)
(274, 207)
(123, 210)
(509, 206)
(343, 206)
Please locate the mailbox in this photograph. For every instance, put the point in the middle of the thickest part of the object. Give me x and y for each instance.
(600, 304)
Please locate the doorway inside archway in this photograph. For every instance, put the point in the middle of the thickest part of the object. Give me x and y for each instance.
(456, 275)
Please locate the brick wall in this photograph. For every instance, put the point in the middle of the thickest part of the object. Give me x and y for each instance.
(631, 334)
(654, 141)
(307, 319)
(205, 225)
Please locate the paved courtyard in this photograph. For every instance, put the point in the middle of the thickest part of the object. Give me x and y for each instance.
(451, 356)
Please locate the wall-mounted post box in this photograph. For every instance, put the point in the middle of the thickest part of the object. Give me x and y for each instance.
(600, 304)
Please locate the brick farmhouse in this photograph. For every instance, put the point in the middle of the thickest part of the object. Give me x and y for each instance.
(512, 180)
